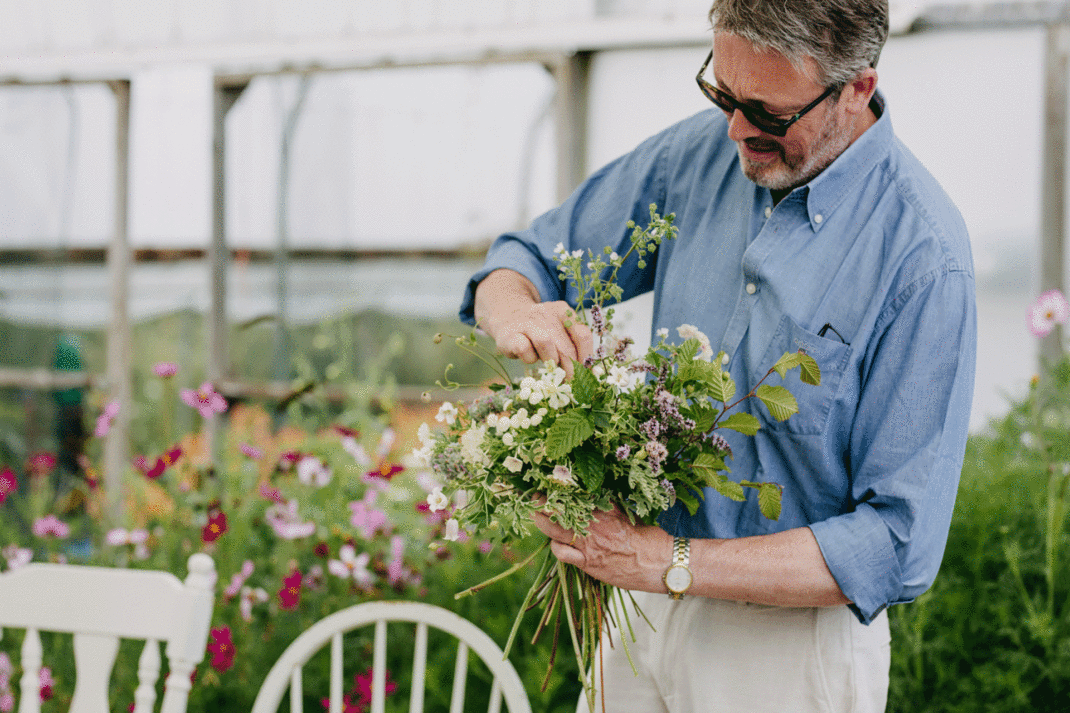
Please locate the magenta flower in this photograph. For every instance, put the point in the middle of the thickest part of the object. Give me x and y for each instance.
(106, 418)
(8, 483)
(215, 527)
(206, 400)
(51, 525)
(221, 647)
(165, 369)
(1051, 308)
(44, 676)
(290, 594)
(41, 463)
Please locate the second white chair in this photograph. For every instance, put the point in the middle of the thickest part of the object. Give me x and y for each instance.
(286, 673)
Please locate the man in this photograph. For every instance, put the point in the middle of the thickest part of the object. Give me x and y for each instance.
(804, 224)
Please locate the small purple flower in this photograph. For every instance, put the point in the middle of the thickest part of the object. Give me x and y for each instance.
(657, 453)
(624, 451)
(718, 442)
(670, 490)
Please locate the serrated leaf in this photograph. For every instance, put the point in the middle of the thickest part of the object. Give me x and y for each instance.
(688, 350)
(568, 431)
(722, 388)
(704, 418)
(781, 404)
(729, 488)
(584, 384)
(769, 500)
(809, 371)
(590, 467)
(708, 468)
(790, 360)
(688, 499)
(695, 370)
(743, 422)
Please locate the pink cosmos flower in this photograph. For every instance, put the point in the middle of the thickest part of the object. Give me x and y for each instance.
(8, 483)
(1051, 308)
(221, 647)
(165, 369)
(238, 580)
(106, 418)
(205, 399)
(365, 518)
(51, 525)
(269, 493)
(41, 463)
(284, 521)
(251, 451)
(16, 556)
(47, 682)
(249, 597)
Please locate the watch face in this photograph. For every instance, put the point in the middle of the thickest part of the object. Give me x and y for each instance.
(678, 578)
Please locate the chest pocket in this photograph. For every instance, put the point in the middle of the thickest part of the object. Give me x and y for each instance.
(832, 357)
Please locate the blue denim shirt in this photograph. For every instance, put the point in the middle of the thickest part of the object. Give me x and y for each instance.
(872, 247)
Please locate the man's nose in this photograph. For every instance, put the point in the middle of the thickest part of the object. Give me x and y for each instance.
(739, 128)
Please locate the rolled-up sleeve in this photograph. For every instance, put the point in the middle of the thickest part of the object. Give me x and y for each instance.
(907, 443)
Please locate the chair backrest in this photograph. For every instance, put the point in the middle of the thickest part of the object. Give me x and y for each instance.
(287, 670)
(99, 606)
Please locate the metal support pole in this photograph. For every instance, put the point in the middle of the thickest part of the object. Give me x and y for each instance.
(1053, 179)
(573, 75)
(217, 360)
(119, 350)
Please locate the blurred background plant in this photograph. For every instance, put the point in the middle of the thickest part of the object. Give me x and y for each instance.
(993, 633)
(303, 504)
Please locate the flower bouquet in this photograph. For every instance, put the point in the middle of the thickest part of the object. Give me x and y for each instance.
(635, 433)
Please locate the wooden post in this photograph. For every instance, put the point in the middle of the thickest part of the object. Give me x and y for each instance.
(572, 73)
(1053, 179)
(119, 349)
(217, 359)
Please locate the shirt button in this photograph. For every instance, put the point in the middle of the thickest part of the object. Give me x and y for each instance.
(724, 359)
(818, 218)
(751, 288)
(768, 211)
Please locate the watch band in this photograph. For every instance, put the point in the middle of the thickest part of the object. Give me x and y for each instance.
(681, 551)
(678, 577)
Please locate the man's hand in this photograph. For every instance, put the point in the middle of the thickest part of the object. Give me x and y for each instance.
(507, 307)
(614, 551)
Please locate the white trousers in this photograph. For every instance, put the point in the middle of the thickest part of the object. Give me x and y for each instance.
(712, 656)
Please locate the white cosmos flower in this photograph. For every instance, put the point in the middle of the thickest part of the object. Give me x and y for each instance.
(437, 500)
(512, 464)
(423, 433)
(312, 471)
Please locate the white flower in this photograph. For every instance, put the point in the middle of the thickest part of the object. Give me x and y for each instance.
(471, 440)
(354, 449)
(662, 333)
(492, 420)
(421, 457)
(598, 370)
(312, 471)
(509, 439)
(622, 378)
(512, 464)
(577, 253)
(249, 597)
(562, 475)
(437, 500)
(453, 530)
(560, 250)
(423, 433)
(447, 413)
(689, 331)
(560, 397)
(350, 565)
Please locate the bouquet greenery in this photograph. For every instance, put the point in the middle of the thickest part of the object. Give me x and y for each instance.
(635, 433)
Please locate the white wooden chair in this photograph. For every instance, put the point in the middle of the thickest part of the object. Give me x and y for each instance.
(287, 670)
(100, 605)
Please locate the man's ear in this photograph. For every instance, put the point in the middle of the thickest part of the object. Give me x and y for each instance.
(859, 91)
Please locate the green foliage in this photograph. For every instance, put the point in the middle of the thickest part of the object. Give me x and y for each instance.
(993, 632)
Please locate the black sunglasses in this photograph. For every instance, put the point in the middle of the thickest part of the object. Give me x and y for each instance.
(759, 118)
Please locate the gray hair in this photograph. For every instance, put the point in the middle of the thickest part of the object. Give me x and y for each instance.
(843, 37)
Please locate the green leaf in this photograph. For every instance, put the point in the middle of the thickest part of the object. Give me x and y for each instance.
(743, 422)
(687, 351)
(688, 499)
(584, 384)
(568, 431)
(769, 500)
(729, 488)
(722, 388)
(781, 404)
(590, 467)
(788, 361)
(708, 468)
(704, 418)
(809, 371)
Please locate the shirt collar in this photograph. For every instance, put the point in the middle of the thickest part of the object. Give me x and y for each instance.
(833, 185)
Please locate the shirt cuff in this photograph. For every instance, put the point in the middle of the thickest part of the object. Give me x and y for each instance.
(858, 550)
(510, 253)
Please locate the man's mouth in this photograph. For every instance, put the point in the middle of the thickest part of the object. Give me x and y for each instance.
(761, 150)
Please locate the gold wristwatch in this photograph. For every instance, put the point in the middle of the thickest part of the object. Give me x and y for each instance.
(678, 576)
